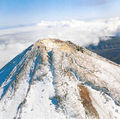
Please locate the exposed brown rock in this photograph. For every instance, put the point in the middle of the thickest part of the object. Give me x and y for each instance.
(87, 103)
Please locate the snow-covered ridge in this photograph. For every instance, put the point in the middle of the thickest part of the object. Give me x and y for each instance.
(53, 79)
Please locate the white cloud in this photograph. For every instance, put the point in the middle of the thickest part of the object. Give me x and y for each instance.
(99, 2)
(13, 41)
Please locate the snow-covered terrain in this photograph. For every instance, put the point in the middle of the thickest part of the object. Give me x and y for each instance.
(53, 79)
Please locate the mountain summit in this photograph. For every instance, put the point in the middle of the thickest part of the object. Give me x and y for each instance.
(53, 79)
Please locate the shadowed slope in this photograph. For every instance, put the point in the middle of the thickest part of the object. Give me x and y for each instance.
(109, 49)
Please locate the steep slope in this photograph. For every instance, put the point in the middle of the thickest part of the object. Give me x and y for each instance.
(53, 79)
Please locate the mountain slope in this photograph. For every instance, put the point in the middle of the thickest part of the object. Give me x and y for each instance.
(109, 49)
(53, 79)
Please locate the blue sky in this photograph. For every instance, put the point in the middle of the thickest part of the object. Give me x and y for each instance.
(18, 12)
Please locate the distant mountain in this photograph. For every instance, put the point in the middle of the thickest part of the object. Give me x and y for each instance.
(109, 49)
(53, 79)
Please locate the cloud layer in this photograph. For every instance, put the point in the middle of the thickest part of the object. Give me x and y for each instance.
(15, 40)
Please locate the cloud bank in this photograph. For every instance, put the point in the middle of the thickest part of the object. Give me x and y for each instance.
(15, 40)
